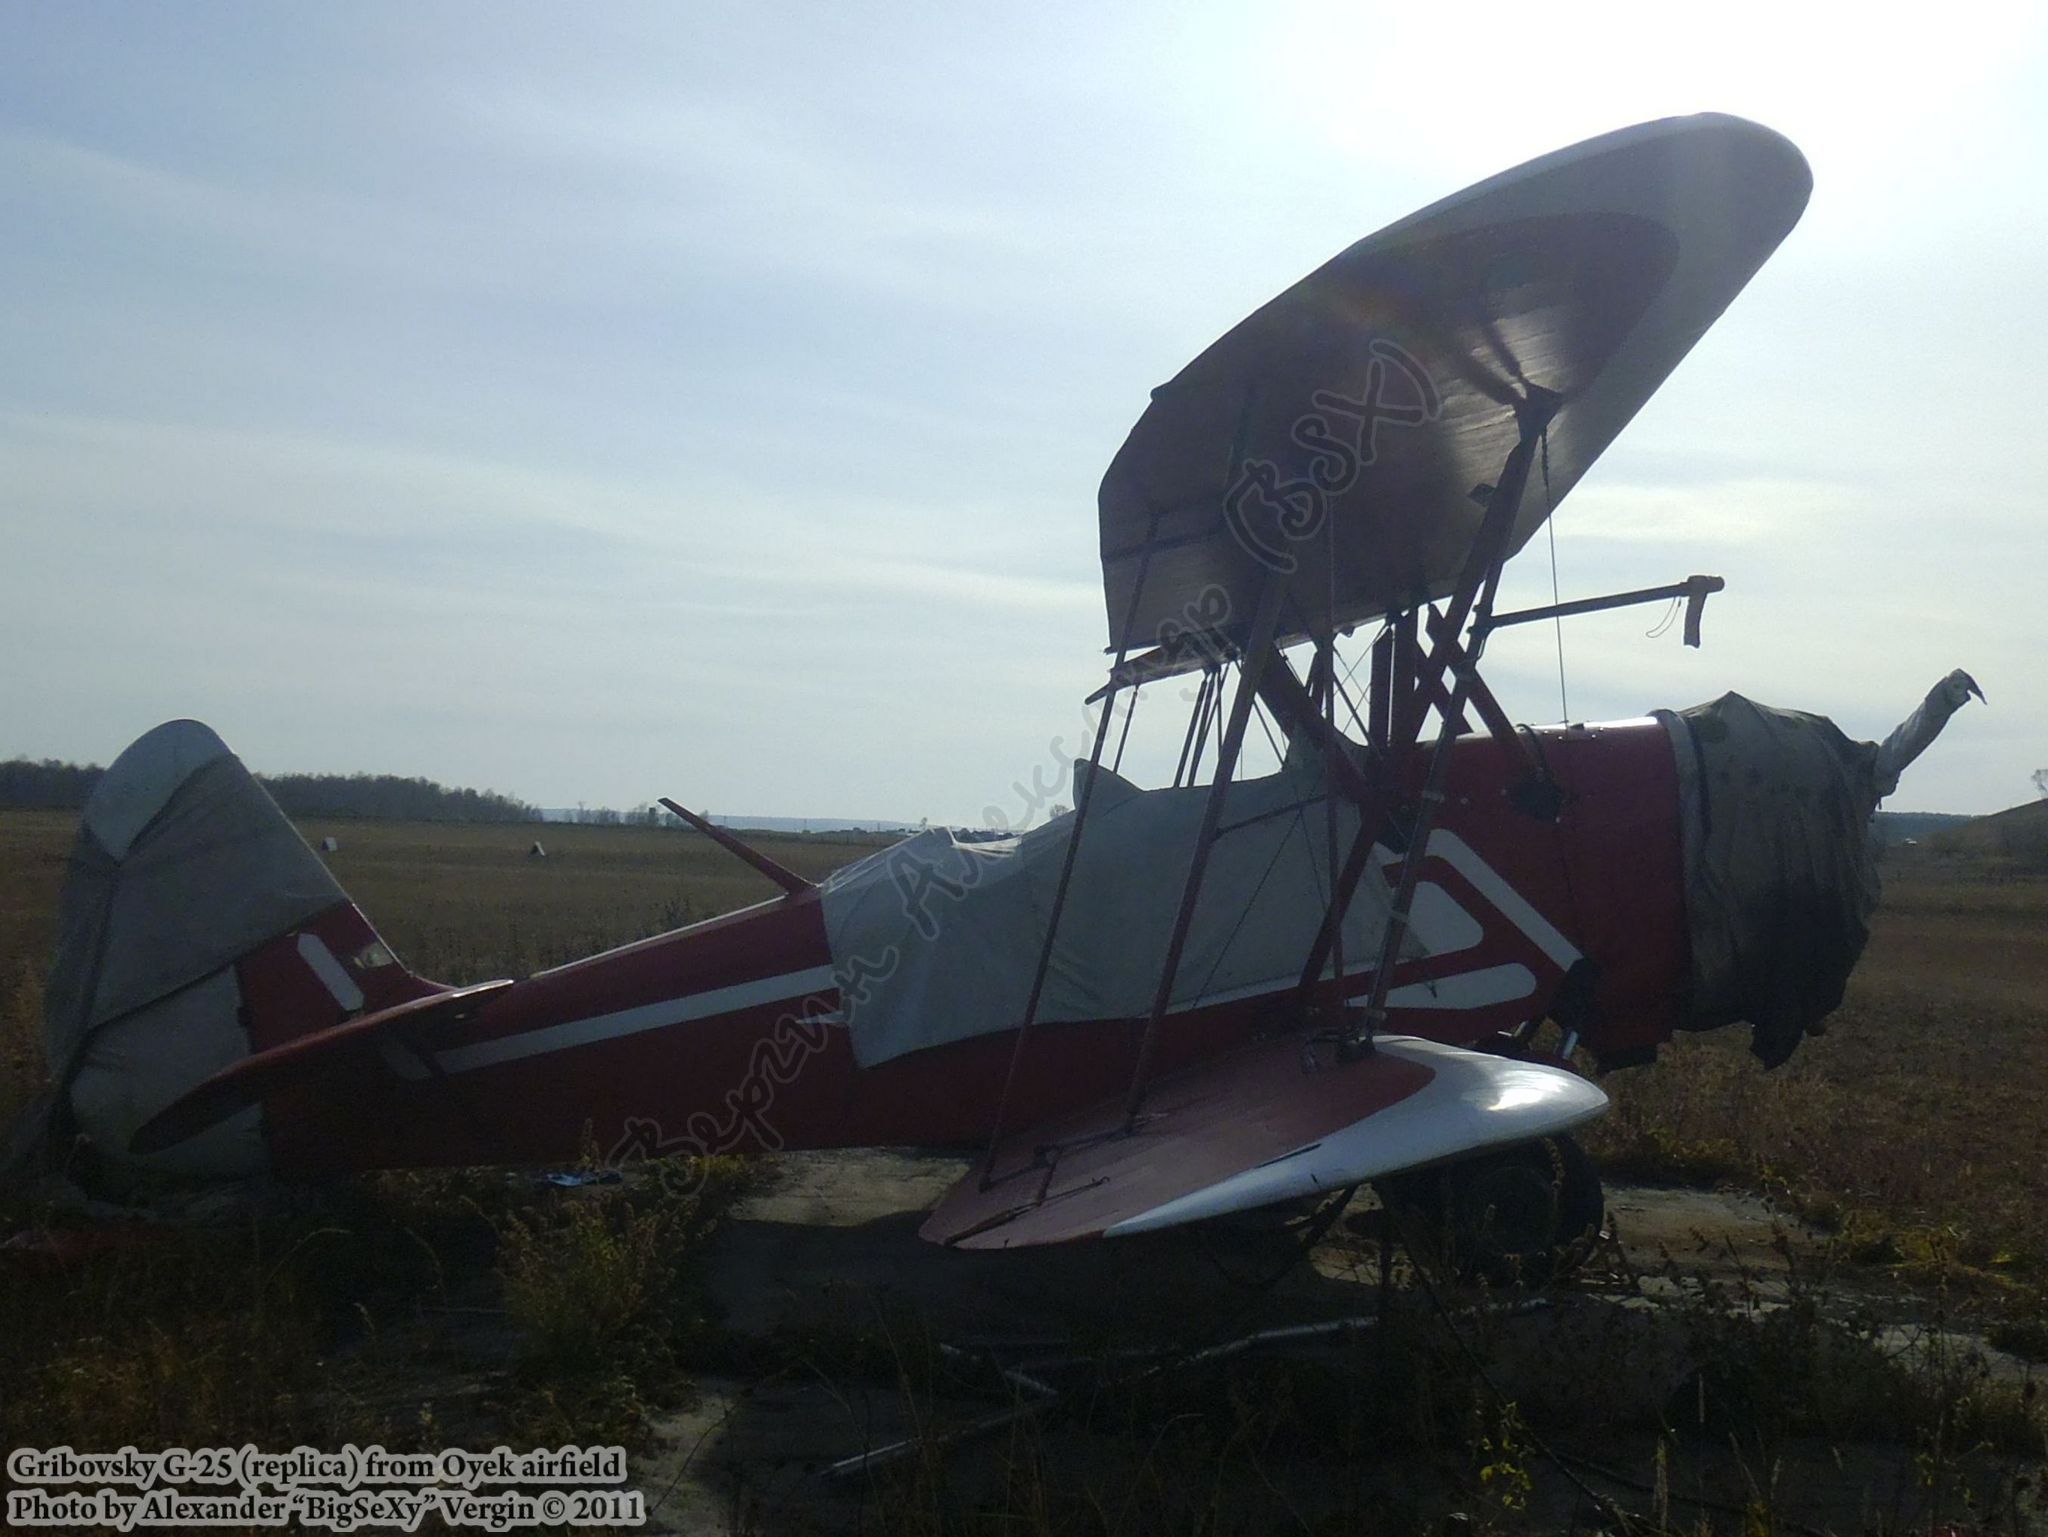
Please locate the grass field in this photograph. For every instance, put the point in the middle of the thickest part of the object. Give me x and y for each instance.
(458, 902)
(469, 1307)
(1921, 1108)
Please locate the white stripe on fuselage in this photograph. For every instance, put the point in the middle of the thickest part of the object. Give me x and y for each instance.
(1462, 857)
(647, 1016)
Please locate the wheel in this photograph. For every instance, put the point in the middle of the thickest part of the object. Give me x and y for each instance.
(1524, 1215)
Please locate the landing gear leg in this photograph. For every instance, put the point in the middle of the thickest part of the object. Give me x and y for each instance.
(1525, 1215)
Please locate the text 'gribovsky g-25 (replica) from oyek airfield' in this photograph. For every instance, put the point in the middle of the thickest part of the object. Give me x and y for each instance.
(1169, 1003)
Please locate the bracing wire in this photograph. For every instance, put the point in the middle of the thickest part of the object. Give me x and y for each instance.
(1352, 705)
(1341, 685)
(1385, 625)
(1272, 741)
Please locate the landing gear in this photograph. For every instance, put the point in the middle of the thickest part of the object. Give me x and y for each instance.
(1525, 1215)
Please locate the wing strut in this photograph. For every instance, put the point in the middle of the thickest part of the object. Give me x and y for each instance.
(1257, 657)
(1473, 599)
(1417, 681)
(1083, 797)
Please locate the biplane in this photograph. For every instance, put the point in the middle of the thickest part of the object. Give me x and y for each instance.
(1171, 1003)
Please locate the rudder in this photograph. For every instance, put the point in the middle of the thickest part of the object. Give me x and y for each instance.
(196, 928)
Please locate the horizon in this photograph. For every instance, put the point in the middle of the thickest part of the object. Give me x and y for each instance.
(767, 821)
(708, 405)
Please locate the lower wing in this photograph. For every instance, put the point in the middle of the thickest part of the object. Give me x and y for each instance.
(1259, 1126)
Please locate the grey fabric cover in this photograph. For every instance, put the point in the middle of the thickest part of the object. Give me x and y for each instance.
(182, 864)
(1780, 869)
(937, 938)
(133, 1066)
(1916, 733)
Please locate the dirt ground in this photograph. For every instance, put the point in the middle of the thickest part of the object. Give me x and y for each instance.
(828, 1250)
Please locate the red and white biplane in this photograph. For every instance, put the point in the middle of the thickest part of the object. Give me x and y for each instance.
(1169, 1003)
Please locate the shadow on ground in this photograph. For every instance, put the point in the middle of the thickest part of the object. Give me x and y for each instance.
(848, 1335)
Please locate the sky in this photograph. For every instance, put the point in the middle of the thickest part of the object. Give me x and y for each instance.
(601, 402)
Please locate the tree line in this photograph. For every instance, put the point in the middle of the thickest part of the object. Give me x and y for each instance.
(51, 785)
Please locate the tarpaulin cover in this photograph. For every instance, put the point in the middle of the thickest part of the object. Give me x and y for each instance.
(1780, 869)
(182, 864)
(944, 934)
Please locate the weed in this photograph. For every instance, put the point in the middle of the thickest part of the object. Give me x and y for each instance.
(1502, 1452)
(597, 1286)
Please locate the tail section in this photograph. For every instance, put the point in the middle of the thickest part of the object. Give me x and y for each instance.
(196, 930)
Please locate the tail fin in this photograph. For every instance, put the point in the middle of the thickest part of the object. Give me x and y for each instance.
(196, 929)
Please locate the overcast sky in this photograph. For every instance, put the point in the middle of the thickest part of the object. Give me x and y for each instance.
(597, 402)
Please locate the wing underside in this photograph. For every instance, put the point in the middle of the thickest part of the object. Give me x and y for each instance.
(1261, 1126)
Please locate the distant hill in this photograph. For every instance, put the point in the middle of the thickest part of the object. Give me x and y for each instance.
(2021, 832)
(1895, 827)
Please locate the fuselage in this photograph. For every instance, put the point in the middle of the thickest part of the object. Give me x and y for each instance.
(730, 1035)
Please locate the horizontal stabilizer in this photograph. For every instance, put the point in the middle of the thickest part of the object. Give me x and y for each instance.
(248, 1081)
(1252, 1129)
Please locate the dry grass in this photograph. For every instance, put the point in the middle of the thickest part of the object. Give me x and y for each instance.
(463, 903)
(1919, 1107)
(33, 848)
(1916, 1121)
(413, 1309)
(465, 1307)
(598, 1289)
(459, 903)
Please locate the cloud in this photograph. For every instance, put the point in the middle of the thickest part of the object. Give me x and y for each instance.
(563, 404)
(1704, 516)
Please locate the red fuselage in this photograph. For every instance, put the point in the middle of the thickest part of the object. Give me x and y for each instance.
(725, 1036)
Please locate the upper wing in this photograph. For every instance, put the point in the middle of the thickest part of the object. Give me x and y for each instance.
(1587, 274)
(1250, 1129)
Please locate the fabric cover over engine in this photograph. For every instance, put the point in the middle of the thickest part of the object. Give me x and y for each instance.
(1780, 869)
(937, 938)
(182, 864)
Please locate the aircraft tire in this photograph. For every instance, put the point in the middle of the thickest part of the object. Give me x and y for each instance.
(1526, 1215)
